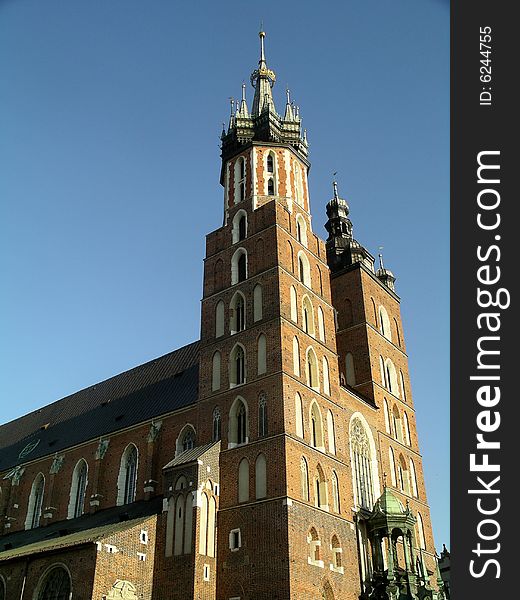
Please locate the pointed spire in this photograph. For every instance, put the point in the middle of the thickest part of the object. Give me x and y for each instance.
(223, 134)
(232, 115)
(243, 111)
(289, 116)
(262, 79)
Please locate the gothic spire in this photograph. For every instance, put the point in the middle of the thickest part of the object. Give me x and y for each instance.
(262, 79)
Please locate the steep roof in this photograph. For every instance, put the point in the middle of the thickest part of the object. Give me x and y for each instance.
(157, 387)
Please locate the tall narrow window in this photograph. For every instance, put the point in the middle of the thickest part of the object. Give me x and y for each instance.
(382, 369)
(420, 531)
(336, 555)
(239, 229)
(56, 585)
(413, 478)
(301, 230)
(270, 163)
(298, 409)
(219, 319)
(398, 426)
(188, 524)
(387, 416)
(307, 316)
(331, 433)
(203, 524)
(321, 325)
(262, 415)
(237, 313)
(212, 512)
(313, 380)
(361, 464)
(239, 266)
(242, 228)
(406, 429)
(296, 356)
(326, 379)
(403, 389)
(243, 480)
(391, 377)
(391, 461)
(179, 525)
(188, 439)
(350, 370)
(260, 477)
(316, 426)
(242, 425)
(237, 366)
(385, 323)
(242, 268)
(34, 508)
(320, 493)
(294, 307)
(397, 332)
(238, 432)
(304, 270)
(257, 303)
(127, 480)
(304, 479)
(78, 490)
(335, 492)
(262, 354)
(217, 424)
(270, 187)
(215, 376)
(404, 475)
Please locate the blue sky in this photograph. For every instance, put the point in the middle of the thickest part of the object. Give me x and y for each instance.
(110, 115)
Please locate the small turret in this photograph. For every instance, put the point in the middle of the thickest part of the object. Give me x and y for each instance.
(384, 275)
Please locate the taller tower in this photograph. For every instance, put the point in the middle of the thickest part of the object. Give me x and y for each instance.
(302, 356)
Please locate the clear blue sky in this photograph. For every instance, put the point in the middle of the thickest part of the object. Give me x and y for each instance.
(110, 115)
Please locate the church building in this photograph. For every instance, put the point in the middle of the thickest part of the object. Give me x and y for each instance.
(276, 457)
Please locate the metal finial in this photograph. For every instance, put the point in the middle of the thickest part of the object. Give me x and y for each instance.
(335, 185)
(261, 34)
(243, 91)
(232, 103)
(288, 92)
(381, 264)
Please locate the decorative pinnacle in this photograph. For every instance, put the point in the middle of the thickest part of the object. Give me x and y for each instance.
(288, 92)
(243, 92)
(381, 264)
(335, 185)
(232, 103)
(261, 34)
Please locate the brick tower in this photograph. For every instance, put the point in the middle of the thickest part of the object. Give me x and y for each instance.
(304, 379)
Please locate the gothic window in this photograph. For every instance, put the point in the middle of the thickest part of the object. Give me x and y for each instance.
(382, 369)
(313, 379)
(291, 256)
(212, 524)
(420, 531)
(260, 477)
(375, 311)
(331, 433)
(326, 380)
(391, 461)
(239, 228)
(349, 370)
(243, 480)
(304, 479)
(237, 321)
(257, 303)
(335, 492)
(296, 356)
(179, 523)
(336, 553)
(294, 308)
(238, 423)
(320, 279)
(77, 490)
(240, 180)
(387, 416)
(385, 323)
(239, 266)
(237, 366)
(406, 429)
(298, 414)
(403, 389)
(314, 547)
(56, 585)
(203, 525)
(262, 415)
(270, 187)
(270, 163)
(413, 478)
(187, 441)
(316, 426)
(320, 491)
(321, 325)
(127, 480)
(301, 230)
(398, 426)
(361, 464)
(304, 271)
(34, 508)
(307, 316)
(397, 331)
(219, 319)
(215, 375)
(217, 424)
(391, 377)
(262, 354)
(404, 475)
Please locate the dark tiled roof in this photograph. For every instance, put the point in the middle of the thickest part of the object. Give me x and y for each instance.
(147, 391)
(189, 456)
(77, 531)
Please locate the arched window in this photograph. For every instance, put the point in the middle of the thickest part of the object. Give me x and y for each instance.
(391, 377)
(350, 371)
(179, 525)
(384, 323)
(188, 524)
(298, 409)
(314, 548)
(397, 332)
(304, 479)
(219, 319)
(243, 480)
(212, 512)
(406, 429)
(203, 525)
(362, 461)
(387, 416)
(270, 187)
(307, 316)
(239, 266)
(382, 369)
(321, 325)
(240, 179)
(239, 228)
(331, 433)
(326, 378)
(296, 356)
(218, 275)
(313, 379)
(404, 475)
(186, 440)
(335, 492)
(127, 480)
(316, 427)
(301, 230)
(238, 423)
(55, 585)
(260, 477)
(304, 270)
(420, 531)
(217, 424)
(398, 426)
(320, 492)
(391, 461)
(320, 276)
(237, 366)
(403, 389)
(291, 256)
(257, 303)
(262, 415)
(375, 311)
(237, 321)
(262, 354)
(215, 374)
(413, 478)
(336, 553)
(294, 307)
(77, 490)
(270, 163)
(34, 508)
